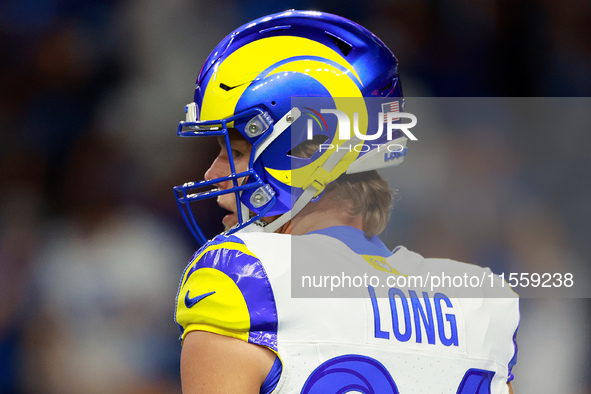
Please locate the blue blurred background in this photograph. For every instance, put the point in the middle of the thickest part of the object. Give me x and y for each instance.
(91, 241)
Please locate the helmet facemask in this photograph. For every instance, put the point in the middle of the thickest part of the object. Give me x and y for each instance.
(254, 198)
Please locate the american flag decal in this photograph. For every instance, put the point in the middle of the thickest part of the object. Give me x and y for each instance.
(390, 107)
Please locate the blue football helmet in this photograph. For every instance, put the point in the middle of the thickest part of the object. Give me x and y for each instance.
(248, 84)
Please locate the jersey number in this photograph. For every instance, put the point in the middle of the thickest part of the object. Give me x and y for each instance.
(366, 375)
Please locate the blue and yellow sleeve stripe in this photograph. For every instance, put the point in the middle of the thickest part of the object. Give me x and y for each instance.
(225, 290)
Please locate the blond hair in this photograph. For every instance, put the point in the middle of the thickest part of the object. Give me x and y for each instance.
(366, 194)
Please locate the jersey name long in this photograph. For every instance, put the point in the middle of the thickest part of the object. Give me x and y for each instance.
(274, 290)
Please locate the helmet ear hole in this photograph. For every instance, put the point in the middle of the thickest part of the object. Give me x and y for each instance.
(273, 103)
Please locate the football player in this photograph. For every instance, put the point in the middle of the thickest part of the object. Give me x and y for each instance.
(299, 199)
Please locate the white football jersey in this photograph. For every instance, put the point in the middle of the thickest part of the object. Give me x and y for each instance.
(325, 305)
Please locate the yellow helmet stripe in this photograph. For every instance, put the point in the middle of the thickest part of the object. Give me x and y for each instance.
(241, 67)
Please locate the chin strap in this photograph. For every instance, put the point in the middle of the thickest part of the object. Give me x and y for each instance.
(317, 183)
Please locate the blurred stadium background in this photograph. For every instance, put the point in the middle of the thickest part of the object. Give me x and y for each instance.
(91, 241)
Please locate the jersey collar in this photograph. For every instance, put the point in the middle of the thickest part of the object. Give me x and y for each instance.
(356, 240)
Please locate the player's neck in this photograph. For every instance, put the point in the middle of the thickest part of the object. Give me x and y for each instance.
(322, 214)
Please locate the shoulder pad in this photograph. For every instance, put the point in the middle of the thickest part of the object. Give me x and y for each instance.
(225, 290)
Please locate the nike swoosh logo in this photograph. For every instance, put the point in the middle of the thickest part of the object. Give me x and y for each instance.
(191, 301)
(228, 88)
